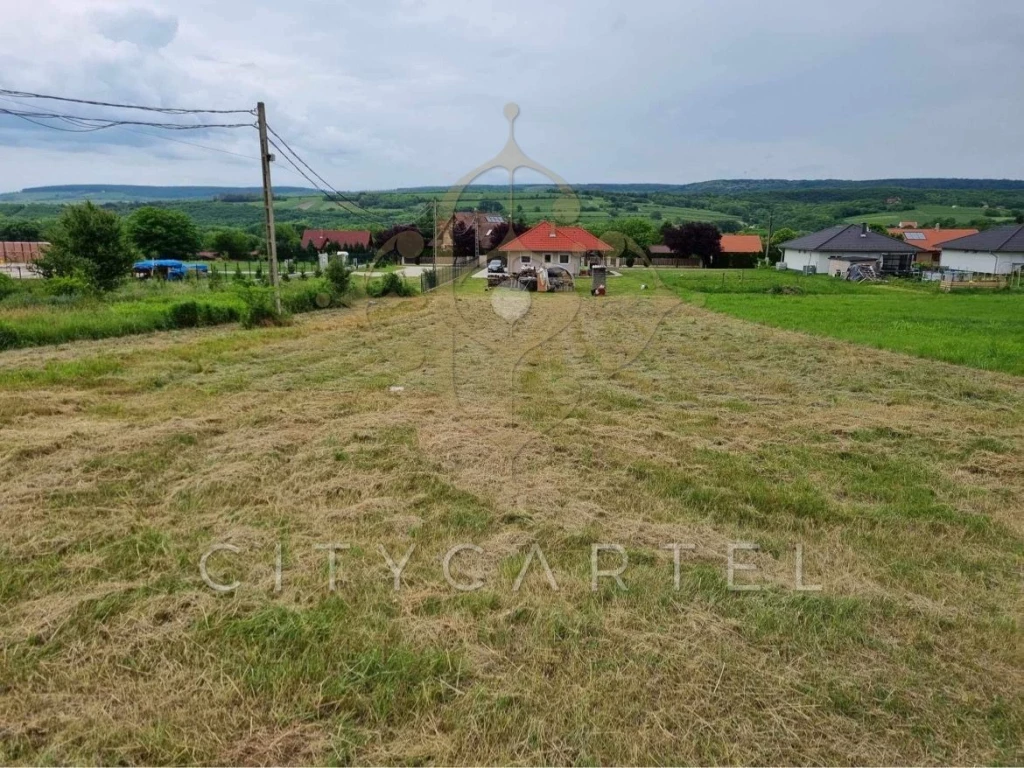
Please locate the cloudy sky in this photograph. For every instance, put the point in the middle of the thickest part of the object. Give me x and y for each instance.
(384, 93)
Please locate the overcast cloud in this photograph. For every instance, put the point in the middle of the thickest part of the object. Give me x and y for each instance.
(396, 93)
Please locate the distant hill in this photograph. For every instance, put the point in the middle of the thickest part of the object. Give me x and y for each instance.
(128, 193)
(744, 186)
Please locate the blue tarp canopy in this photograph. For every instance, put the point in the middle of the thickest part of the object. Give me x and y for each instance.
(152, 263)
(173, 268)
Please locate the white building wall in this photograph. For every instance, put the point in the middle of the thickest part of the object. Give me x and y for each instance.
(797, 260)
(983, 262)
(572, 261)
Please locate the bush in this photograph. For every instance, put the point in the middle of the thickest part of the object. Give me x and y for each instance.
(7, 286)
(184, 315)
(259, 307)
(8, 337)
(67, 286)
(339, 276)
(216, 280)
(391, 283)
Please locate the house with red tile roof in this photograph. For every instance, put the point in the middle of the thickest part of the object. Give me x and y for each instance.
(346, 239)
(931, 240)
(741, 244)
(570, 247)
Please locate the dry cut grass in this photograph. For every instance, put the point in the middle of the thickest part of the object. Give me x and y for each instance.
(633, 420)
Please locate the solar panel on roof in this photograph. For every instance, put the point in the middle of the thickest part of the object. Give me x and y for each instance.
(914, 235)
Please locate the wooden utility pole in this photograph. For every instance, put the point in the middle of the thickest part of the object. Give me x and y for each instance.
(434, 255)
(268, 204)
(768, 242)
(476, 236)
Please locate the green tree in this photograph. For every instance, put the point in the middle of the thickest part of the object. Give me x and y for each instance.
(779, 236)
(642, 231)
(21, 230)
(694, 238)
(88, 242)
(339, 276)
(487, 205)
(289, 244)
(162, 233)
(231, 244)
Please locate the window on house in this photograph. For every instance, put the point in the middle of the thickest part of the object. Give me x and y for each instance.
(547, 258)
(563, 258)
(525, 260)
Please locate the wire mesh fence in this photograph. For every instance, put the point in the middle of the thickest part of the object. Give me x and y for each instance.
(445, 273)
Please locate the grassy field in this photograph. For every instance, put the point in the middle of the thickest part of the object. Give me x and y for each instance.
(536, 205)
(30, 317)
(637, 419)
(981, 330)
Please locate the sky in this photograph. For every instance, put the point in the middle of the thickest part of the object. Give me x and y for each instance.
(394, 93)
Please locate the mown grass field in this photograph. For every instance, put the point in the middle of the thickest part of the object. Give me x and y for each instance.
(637, 419)
(977, 329)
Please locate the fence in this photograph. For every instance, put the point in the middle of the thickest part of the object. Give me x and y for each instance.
(442, 275)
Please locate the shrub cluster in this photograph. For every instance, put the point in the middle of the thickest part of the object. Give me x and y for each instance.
(390, 284)
(192, 314)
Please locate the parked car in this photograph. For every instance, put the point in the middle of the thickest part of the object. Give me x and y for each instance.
(495, 265)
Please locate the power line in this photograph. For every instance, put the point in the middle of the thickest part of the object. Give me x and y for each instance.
(331, 198)
(98, 123)
(318, 176)
(164, 110)
(191, 144)
(358, 209)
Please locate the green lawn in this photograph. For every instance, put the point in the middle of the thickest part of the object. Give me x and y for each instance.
(982, 331)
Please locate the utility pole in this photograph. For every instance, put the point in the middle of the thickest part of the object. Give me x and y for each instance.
(768, 242)
(476, 236)
(436, 244)
(268, 204)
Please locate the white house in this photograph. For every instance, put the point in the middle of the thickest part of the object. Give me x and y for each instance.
(830, 248)
(548, 244)
(996, 251)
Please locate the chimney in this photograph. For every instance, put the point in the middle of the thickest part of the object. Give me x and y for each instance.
(936, 226)
(864, 229)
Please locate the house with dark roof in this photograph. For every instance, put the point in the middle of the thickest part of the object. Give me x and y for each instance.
(930, 241)
(484, 223)
(570, 247)
(345, 239)
(832, 251)
(996, 251)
